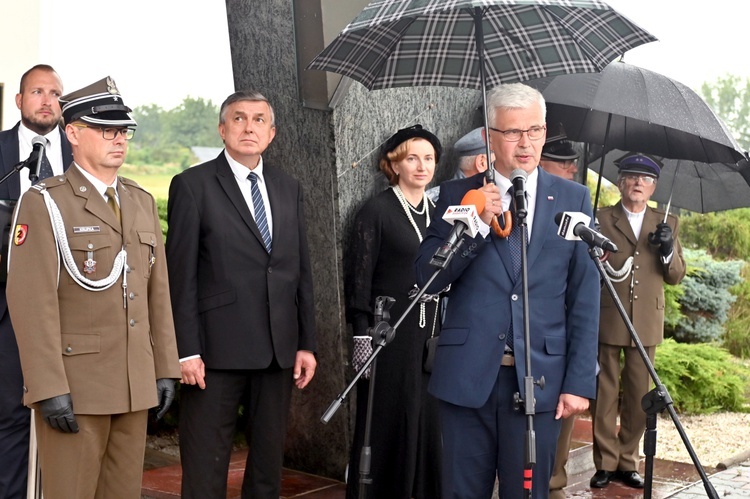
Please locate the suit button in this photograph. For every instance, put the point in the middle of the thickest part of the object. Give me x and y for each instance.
(69, 349)
(501, 336)
(90, 246)
(637, 253)
(514, 297)
(637, 267)
(270, 270)
(636, 282)
(635, 297)
(132, 322)
(131, 296)
(127, 269)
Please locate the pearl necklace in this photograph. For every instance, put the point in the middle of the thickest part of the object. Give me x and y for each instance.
(408, 208)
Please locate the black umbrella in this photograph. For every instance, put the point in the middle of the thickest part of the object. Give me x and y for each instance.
(693, 185)
(633, 109)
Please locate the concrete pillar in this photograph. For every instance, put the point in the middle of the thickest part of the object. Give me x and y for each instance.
(332, 151)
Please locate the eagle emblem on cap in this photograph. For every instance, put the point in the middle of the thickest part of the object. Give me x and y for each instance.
(111, 87)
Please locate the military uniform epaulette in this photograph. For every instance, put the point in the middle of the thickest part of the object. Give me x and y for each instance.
(131, 183)
(49, 183)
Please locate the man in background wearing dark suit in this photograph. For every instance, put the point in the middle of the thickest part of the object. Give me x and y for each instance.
(40, 116)
(242, 300)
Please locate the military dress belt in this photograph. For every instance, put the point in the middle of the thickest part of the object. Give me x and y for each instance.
(508, 360)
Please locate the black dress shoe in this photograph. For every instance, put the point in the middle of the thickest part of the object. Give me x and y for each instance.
(631, 479)
(601, 478)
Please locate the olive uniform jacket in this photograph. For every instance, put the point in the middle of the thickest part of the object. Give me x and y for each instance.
(642, 292)
(106, 348)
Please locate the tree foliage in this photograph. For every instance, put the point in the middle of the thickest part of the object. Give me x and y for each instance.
(165, 137)
(729, 96)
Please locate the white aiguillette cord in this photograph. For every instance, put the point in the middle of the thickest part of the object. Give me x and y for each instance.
(61, 240)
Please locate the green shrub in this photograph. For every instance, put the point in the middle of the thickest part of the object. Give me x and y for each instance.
(736, 337)
(702, 378)
(161, 207)
(724, 235)
(706, 298)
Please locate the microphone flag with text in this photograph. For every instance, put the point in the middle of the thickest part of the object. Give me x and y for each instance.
(574, 226)
(464, 218)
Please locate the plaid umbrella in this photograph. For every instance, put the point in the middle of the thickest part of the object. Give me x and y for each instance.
(695, 186)
(405, 43)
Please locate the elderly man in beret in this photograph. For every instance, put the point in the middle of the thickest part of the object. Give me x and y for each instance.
(472, 158)
(650, 255)
(89, 298)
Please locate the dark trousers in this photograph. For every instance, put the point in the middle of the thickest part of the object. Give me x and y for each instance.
(15, 422)
(482, 444)
(207, 422)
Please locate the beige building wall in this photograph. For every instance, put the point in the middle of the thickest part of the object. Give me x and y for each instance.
(21, 42)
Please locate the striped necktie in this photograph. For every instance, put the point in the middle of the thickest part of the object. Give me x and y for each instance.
(260, 211)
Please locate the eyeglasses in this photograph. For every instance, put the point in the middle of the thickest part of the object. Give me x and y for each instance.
(565, 164)
(514, 135)
(111, 133)
(634, 177)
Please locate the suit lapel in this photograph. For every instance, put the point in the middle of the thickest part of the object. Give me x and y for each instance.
(128, 207)
(622, 224)
(545, 206)
(10, 152)
(229, 185)
(93, 201)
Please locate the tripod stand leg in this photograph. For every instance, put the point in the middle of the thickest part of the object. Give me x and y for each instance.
(649, 448)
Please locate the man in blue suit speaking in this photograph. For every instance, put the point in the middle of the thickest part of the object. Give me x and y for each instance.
(480, 360)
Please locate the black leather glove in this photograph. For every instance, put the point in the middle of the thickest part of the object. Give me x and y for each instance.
(662, 237)
(165, 392)
(58, 413)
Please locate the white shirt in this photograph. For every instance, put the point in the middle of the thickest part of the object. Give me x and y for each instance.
(100, 186)
(53, 150)
(636, 223)
(241, 173)
(503, 184)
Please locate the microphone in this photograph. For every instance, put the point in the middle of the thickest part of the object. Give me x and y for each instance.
(518, 178)
(463, 217)
(34, 163)
(574, 226)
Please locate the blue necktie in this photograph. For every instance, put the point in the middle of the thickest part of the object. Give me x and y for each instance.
(260, 211)
(514, 244)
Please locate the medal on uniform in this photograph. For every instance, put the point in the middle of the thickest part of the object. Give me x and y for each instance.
(89, 265)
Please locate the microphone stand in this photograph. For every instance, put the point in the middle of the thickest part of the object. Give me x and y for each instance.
(527, 402)
(654, 401)
(16, 168)
(382, 334)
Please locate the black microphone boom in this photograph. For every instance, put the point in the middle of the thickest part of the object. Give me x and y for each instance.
(518, 178)
(35, 158)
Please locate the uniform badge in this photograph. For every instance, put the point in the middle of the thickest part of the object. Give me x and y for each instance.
(89, 265)
(19, 235)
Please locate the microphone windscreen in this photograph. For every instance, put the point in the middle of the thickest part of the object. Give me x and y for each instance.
(38, 140)
(558, 218)
(475, 198)
(518, 173)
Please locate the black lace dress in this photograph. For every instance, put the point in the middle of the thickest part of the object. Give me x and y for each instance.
(405, 434)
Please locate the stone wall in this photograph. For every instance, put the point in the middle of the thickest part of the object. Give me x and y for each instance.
(333, 153)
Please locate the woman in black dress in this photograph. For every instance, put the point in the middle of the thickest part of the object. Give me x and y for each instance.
(405, 435)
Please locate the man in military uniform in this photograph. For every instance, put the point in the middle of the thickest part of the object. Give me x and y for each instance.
(650, 255)
(89, 298)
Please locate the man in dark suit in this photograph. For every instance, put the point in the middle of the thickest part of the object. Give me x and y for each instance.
(650, 255)
(242, 299)
(480, 360)
(40, 115)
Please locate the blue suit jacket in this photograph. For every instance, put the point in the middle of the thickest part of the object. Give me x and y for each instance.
(564, 295)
